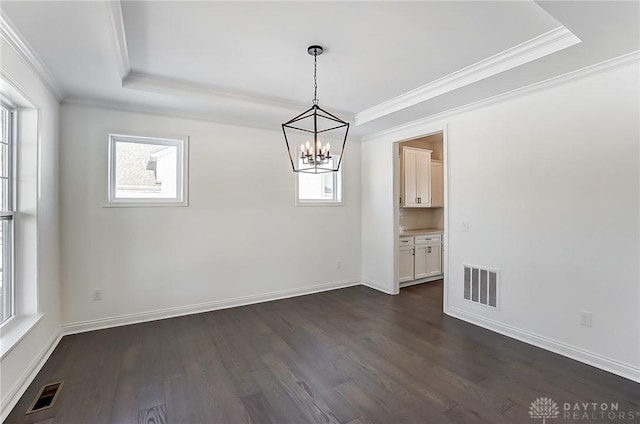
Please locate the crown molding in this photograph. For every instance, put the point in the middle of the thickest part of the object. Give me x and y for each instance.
(9, 33)
(550, 42)
(161, 111)
(119, 36)
(417, 128)
(164, 85)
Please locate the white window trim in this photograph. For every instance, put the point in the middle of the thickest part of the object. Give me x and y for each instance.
(9, 238)
(339, 179)
(181, 142)
(26, 311)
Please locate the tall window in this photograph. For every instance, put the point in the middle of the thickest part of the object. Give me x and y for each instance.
(6, 212)
(319, 189)
(145, 170)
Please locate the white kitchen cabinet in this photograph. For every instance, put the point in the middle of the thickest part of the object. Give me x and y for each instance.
(416, 164)
(420, 258)
(433, 260)
(420, 262)
(437, 184)
(405, 262)
(428, 255)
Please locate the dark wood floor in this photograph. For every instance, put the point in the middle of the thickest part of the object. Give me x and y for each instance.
(346, 356)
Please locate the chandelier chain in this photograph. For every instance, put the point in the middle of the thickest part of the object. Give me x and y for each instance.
(315, 75)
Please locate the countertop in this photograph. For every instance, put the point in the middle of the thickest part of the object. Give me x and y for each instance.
(419, 232)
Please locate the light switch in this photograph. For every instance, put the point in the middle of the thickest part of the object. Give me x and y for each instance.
(465, 226)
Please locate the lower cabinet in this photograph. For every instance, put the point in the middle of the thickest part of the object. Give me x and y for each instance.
(420, 264)
(428, 260)
(406, 263)
(420, 257)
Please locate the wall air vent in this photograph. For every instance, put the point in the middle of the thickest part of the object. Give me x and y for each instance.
(481, 285)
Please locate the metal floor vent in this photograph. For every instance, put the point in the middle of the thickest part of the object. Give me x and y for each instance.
(481, 285)
(46, 397)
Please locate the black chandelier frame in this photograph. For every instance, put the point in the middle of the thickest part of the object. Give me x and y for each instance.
(319, 160)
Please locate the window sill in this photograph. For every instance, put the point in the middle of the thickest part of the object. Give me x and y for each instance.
(144, 204)
(318, 203)
(14, 330)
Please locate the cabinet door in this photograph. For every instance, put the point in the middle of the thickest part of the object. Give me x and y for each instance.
(423, 178)
(433, 261)
(420, 268)
(410, 196)
(406, 264)
(437, 184)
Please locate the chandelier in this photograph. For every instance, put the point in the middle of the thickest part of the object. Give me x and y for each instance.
(313, 131)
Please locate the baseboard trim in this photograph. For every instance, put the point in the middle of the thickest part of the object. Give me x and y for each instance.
(16, 392)
(607, 364)
(117, 321)
(421, 280)
(376, 285)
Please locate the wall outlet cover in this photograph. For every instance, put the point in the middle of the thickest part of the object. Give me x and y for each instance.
(586, 318)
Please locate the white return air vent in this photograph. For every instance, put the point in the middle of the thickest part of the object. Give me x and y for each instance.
(481, 285)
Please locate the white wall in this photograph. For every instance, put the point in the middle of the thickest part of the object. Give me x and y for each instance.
(378, 205)
(37, 233)
(549, 183)
(241, 235)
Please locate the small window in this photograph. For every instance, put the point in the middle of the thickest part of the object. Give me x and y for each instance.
(319, 189)
(147, 171)
(7, 215)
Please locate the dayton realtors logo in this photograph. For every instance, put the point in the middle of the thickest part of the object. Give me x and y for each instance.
(597, 411)
(547, 408)
(544, 408)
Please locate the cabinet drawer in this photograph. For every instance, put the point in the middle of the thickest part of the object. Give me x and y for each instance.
(406, 241)
(428, 238)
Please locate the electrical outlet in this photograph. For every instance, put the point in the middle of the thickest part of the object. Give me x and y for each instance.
(465, 226)
(97, 294)
(339, 265)
(586, 318)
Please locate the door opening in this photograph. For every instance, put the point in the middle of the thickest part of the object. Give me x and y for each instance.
(420, 210)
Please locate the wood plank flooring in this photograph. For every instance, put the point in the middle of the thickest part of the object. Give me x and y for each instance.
(346, 356)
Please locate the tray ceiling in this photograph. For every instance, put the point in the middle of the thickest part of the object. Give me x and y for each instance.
(246, 62)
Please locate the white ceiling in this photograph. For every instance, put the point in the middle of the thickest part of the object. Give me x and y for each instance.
(246, 62)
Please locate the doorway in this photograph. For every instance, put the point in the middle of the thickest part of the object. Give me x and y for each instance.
(420, 210)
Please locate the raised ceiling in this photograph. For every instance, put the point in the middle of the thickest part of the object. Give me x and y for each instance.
(386, 63)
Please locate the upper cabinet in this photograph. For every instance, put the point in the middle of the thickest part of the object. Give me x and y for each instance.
(422, 179)
(417, 177)
(437, 184)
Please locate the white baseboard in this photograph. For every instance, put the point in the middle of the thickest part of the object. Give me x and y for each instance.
(611, 365)
(376, 285)
(421, 280)
(16, 392)
(97, 324)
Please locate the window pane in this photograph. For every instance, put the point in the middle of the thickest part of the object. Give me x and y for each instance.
(6, 226)
(3, 192)
(5, 270)
(327, 186)
(4, 151)
(146, 170)
(3, 124)
(3, 296)
(310, 186)
(323, 187)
